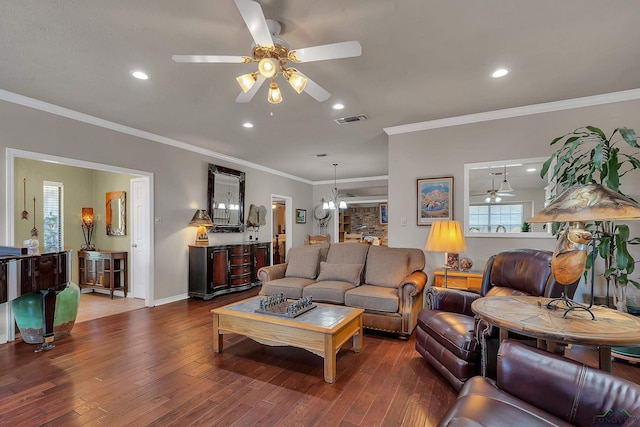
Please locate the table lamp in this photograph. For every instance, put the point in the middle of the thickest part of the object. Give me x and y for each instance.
(201, 220)
(577, 205)
(87, 229)
(446, 236)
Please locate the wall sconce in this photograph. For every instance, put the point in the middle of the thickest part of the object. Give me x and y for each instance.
(201, 220)
(87, 229)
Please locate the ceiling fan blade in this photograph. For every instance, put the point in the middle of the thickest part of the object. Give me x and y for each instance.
(253, 16)
(315, 90)
(329, 51)
(210, 59)
(505, 194)
(245, 97)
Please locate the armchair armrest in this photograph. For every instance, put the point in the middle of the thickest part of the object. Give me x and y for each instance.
(563, 387)
(451, 300)
(271, 272)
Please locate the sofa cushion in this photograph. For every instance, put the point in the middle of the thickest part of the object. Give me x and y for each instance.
(303, 261)
(347, 253)
(386, 266)
(291, 287)
(331, 291)
(374, 298)
(341, 272)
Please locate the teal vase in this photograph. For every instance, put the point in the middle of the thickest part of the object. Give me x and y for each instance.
(27, 310)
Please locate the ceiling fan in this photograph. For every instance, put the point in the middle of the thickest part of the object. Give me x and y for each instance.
(272, 55)
(495, 195)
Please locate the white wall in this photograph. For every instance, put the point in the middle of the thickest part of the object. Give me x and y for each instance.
(444, 151)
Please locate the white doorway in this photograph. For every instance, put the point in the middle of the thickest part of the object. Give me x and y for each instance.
(142, 270)
(281, 227)
(140, 232)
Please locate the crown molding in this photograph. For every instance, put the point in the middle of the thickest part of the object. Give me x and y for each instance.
(547, 107)
(96, 121)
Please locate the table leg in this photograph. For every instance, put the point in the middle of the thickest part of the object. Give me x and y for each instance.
(504, 334)
(217, 336)
(604, 354)
(357, 338)
(329, 359)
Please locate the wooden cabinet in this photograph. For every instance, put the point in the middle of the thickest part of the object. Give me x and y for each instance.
(466, 280)
(221, 269)
(103, 270)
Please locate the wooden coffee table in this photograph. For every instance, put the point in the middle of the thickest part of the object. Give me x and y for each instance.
(322, 330)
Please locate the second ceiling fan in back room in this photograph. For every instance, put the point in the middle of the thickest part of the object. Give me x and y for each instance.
(494, 195)
(272, 54)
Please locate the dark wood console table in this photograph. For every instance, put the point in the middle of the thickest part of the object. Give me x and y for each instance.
(221, 269)
(103, 270)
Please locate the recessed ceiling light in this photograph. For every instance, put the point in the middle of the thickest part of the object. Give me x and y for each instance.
(247, 125)
(338, 106)
(531, 170)
(141, 75)
(500, 72)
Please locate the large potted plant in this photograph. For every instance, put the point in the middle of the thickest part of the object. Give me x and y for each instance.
(587, 156)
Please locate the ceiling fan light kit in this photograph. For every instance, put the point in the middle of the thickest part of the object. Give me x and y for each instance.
(272, 55)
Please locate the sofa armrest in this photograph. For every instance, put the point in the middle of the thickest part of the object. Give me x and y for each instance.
(451, 300)
(271, 272)
(563, 387)
(413, 284)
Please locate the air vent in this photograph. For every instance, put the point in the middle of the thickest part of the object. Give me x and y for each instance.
(358, 118)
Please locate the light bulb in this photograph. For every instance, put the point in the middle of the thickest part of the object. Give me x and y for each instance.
(297, 82)
(275, 97)
(267, 67)
(246, 81)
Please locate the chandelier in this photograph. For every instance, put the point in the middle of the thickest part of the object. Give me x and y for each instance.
(337, 200)
(272, 61)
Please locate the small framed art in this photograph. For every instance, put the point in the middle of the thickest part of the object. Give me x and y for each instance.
(383, 215)
(301, 216)
(434, 199)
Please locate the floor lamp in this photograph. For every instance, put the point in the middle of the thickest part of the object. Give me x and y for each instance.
(447, 237)
(578, 205)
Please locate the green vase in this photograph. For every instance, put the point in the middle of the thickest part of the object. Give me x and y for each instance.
(27, 310)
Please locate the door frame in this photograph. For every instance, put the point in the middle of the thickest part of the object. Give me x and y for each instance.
(12, 154)
(288, 222)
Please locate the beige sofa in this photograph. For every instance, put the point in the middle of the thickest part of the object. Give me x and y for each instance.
(386, 282)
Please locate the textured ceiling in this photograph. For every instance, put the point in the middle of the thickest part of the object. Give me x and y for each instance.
(422, 60)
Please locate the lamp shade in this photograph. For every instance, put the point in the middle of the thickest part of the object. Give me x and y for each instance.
(201, 219)
(588, 202)
(87, 216)
(446, 236)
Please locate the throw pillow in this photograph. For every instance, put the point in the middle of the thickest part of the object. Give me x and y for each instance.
(302, 261)
(341, 272)
(386, 266)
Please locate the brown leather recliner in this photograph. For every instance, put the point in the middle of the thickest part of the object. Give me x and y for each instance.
(447, 334)
(535, 387)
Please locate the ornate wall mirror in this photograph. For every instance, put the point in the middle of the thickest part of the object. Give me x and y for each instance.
(225, 193)
(116, 213)
(500, 196)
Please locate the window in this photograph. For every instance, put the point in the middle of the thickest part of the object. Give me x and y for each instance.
(52, 216)
(490, 218)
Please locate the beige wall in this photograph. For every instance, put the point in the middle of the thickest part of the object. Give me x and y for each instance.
(444, 151)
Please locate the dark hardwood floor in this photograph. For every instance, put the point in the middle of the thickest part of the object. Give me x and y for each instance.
(155, 366)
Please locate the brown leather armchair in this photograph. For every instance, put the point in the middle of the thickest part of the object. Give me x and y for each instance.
(534, 387)
(447, 334)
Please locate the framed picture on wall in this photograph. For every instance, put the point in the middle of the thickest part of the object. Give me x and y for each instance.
(301, 216)
(383, 215)
(434, 199)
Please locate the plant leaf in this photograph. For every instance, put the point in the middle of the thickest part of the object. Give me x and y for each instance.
(629, 135)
